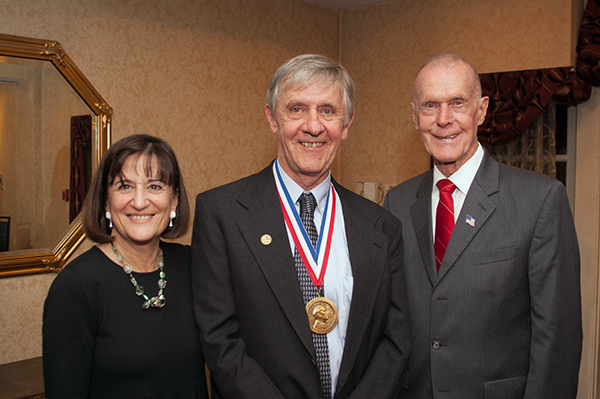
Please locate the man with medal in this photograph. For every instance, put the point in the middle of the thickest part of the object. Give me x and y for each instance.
(298, 282)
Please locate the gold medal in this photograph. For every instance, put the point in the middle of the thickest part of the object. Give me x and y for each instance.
(322, 315)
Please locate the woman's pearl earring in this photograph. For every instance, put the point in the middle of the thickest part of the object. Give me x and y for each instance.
(172, 216)
(109, 217)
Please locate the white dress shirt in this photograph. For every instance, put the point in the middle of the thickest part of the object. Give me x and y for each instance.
(462, 179)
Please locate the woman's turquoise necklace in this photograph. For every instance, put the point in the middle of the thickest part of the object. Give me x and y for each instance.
(157, 301)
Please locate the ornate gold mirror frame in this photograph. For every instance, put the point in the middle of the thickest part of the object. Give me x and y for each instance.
(52, 259)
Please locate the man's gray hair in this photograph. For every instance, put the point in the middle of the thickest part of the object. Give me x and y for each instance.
(308, 69)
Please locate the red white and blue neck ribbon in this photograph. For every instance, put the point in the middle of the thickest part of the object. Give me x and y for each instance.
(315, 259)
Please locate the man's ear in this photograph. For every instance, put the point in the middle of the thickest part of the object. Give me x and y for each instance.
(415, 117)
(347, 127)
(483, 107)
(271, 119)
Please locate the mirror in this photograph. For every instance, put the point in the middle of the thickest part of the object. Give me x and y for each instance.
(54, 128)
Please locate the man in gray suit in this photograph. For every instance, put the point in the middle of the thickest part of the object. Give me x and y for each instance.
(491, 255)
(295, 301)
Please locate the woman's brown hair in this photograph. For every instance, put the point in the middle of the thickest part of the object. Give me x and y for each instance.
(95, 224)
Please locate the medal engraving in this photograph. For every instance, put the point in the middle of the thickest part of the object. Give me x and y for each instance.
(322, 315)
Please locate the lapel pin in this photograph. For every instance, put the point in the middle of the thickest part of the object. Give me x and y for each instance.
(266, 239)
(470, 220)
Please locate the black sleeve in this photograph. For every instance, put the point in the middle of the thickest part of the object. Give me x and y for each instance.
(68, 336)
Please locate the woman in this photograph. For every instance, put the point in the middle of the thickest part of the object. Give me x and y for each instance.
(118, 320)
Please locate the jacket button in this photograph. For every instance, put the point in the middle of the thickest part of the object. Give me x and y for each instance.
(436, 345)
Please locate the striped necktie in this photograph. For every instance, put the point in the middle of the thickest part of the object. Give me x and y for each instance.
(308, 203)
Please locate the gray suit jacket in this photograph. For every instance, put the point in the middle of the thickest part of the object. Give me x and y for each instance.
(248, 304)
(502, 318)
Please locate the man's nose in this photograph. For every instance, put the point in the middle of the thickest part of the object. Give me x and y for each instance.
(444, 115)
(312, 123)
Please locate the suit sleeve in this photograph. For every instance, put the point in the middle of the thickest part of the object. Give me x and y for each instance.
(387, 368)
(235, 373)
(554, 284)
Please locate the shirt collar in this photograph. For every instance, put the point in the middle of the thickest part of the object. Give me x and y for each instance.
(320, 191)
(465, 175)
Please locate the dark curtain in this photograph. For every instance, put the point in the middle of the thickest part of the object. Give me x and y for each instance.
(516, 101)
(588, 44)
(81, 159)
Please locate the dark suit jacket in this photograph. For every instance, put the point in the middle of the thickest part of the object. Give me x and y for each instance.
(249, 306)
(502, 318)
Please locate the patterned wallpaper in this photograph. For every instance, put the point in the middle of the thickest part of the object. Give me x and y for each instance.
(195, 72)
(22, 299)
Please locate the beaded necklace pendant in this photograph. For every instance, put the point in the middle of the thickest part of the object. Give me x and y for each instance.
(157, 301)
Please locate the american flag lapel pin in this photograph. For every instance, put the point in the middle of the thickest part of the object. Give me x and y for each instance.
(470, 220)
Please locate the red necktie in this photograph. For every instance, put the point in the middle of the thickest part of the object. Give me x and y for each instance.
(444, 220)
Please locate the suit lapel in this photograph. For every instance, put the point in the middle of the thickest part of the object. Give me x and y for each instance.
(478, 206)
(368, 253)
(275, 259)
(420, 212)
